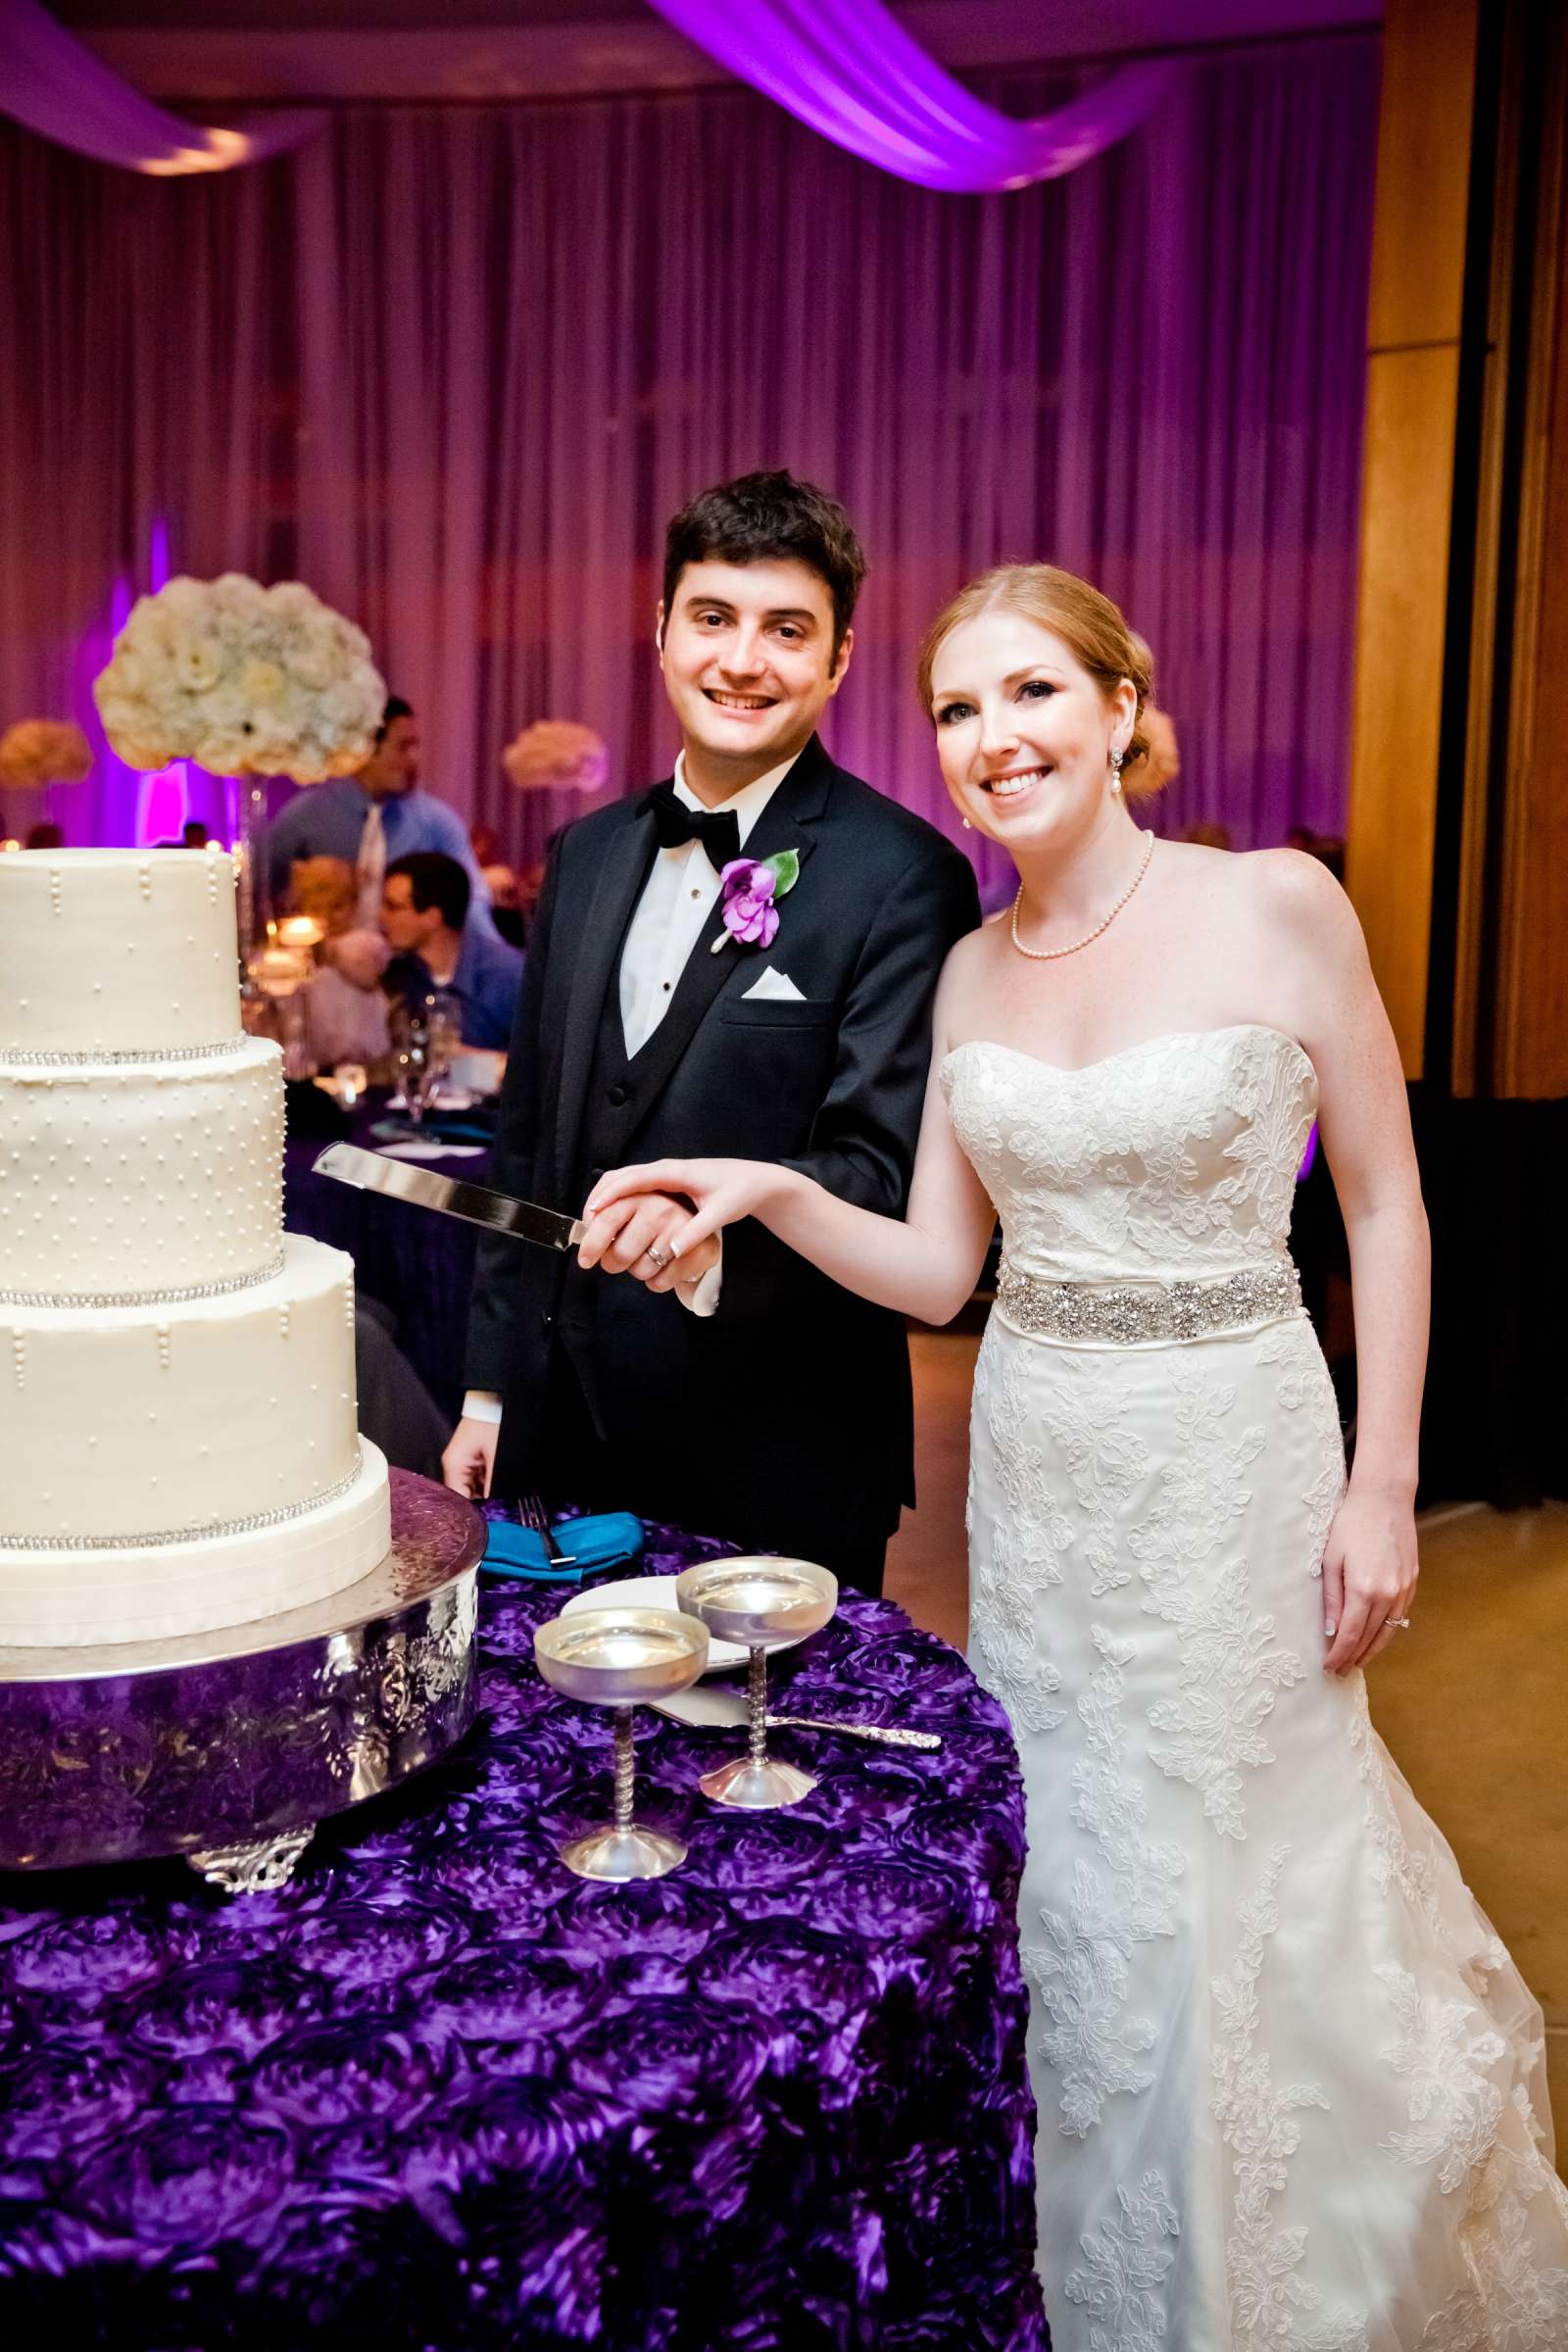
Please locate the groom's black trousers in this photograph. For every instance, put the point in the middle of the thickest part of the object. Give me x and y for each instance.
(583, 1470)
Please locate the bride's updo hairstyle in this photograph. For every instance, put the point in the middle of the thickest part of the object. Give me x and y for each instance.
(1090, 626)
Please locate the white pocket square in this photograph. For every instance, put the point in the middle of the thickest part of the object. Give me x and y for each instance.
(777, 988)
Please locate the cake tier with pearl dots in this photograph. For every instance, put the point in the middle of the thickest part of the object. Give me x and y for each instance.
(117, 952)
(140, 1176)
(179, 1441)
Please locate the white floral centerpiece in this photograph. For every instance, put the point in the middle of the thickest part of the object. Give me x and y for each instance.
(245, 681)
(558, 755)
(35, 751)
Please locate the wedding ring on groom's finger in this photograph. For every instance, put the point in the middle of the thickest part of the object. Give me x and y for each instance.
(660, 1258)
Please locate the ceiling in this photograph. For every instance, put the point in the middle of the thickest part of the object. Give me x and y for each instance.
(254, 51)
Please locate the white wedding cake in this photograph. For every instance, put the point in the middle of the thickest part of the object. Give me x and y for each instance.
(178, 1442)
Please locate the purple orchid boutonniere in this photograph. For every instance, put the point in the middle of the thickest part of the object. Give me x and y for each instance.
(752, 888)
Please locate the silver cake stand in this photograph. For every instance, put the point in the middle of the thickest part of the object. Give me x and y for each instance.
(228, 1747)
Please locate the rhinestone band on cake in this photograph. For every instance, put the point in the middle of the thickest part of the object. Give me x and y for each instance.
(191, 1290)
(278, 1516)
(1125, 1313)
(103, 1058)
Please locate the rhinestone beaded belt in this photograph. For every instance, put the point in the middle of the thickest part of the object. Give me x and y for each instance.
(1123, 1313)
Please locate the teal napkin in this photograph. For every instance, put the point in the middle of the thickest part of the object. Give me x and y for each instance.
(589, 1544)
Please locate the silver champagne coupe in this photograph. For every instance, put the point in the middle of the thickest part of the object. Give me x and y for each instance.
(617, 1657)
(759, 1603)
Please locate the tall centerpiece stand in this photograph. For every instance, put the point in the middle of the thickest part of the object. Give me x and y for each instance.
(228, 1747)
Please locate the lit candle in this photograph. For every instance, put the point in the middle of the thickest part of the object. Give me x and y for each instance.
(300, 931)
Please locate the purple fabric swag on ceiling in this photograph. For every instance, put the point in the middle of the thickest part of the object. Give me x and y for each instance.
(54, 85)
(848, 68)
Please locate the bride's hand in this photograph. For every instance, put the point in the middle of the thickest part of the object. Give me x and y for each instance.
(721, 1191)
(635, 1236)
(1369, 1576)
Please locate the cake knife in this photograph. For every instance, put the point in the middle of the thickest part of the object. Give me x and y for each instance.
(714, 1710)
(498, 1213)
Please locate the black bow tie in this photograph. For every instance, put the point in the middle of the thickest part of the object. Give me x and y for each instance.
(718, 829)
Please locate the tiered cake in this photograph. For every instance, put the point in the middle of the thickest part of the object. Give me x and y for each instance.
(179, 1444)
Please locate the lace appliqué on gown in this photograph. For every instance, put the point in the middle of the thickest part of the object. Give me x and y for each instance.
(1231, 1664)
(1179, 1155)
(1019, 1561)
(1120, 1899)
(1125, 2264)
(1272, 2305)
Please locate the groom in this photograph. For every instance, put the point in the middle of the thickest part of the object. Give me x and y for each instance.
(759, 1402)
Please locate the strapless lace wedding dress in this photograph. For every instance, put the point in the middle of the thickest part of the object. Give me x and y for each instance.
(1291, 2089)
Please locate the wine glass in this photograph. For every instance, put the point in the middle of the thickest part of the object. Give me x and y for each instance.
(410, 1053)
(443, 1021)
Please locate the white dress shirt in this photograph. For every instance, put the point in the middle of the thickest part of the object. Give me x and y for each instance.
(369, 869)
(677, 900)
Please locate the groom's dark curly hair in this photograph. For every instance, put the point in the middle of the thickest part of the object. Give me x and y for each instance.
(764, 517)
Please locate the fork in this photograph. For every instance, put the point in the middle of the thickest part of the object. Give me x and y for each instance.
(532, 1512)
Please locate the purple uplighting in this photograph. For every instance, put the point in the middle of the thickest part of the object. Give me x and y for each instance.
(848, 68)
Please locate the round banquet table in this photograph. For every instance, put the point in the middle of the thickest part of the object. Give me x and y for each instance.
(438, 2094)
(419, 1264)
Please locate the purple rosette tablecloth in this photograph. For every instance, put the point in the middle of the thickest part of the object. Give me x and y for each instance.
(437, 2093)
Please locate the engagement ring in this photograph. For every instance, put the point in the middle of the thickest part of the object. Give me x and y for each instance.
(1400, 1624)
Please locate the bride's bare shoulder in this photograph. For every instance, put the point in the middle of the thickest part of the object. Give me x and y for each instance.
(1291, 889)
(977, 950)
(1282, 888)
(968, 980)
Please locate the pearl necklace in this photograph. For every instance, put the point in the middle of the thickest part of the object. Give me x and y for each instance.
(1049, 955)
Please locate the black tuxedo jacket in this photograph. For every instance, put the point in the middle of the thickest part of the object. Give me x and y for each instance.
(783, 1421)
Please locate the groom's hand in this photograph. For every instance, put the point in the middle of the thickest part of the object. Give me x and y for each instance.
(634, 1237)
(469, 1460)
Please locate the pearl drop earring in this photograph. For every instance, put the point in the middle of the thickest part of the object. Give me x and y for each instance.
(968, 828)
(1116, 758)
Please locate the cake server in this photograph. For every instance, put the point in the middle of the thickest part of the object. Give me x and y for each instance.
(498, 1213)
(716, 1710)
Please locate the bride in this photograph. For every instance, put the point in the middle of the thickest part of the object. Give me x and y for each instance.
(1291, 2089)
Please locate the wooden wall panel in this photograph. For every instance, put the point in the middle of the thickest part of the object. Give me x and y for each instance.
(1411, 405)
(1418, 262)
(1423, 176)
(1529, 978)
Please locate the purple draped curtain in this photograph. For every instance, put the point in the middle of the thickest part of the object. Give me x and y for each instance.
(850, 70)
(456, 367)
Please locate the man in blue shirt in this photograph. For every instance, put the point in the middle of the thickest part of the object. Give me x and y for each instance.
(373, 818)
(425, 908)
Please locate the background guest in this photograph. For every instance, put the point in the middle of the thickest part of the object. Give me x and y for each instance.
(345, 1010)
(373, 818)
(45, 837)
(501, 881)
(425, 908)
